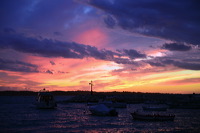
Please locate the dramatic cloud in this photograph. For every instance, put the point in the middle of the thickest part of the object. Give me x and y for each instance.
(54, 48)
(66, 43)
(176, 47)
(49, 71)
(163, 62)
(133, 53)
(52, 63)
(51, 48)
(185, 65)
(109, 21)
(157, 64)
(172, 20)
(17, 66)
(124, 61)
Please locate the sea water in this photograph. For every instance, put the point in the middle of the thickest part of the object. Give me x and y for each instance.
(18, 114)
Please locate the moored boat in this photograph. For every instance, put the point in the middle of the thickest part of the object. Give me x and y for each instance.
(114, 104)
(152, 116)
(109, 102)
(45, 100)
(102, 110)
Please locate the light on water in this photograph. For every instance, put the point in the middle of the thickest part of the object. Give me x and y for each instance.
(17, 114)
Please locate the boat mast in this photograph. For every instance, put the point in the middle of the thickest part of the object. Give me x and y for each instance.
(91, 84)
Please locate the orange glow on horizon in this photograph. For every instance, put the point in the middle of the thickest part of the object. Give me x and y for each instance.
(75, 74)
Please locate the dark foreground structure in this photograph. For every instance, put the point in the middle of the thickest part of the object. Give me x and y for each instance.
(189, 101)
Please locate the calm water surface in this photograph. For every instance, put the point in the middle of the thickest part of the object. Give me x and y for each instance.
(17, 114)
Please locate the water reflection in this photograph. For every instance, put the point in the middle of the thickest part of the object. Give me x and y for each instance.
(76, 118)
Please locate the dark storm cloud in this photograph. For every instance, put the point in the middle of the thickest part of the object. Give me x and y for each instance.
(132, 54)
(184, 65)
(42, 17)
(191, 66)
(172, 19)
(18, 66)
(163, 62)
(52, 63)
(54, 48)
(109, 21)
(158, 64)
(123, 61)
(48, 47)
(49, 71)
(176, 47)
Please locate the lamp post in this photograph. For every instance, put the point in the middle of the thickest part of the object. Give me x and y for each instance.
(91, 84)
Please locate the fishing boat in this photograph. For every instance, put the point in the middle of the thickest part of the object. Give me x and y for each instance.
(152, 116)
(102, 110)
(45, 100)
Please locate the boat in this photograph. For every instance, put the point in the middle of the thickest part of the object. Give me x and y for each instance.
(155, 108)
(138, 115)
(102, 110)
(114, 104)
(109, 103)
(45, 100)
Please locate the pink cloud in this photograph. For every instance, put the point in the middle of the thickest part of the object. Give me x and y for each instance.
(94, 37)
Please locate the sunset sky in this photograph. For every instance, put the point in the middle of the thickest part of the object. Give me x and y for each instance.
(121, 45)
